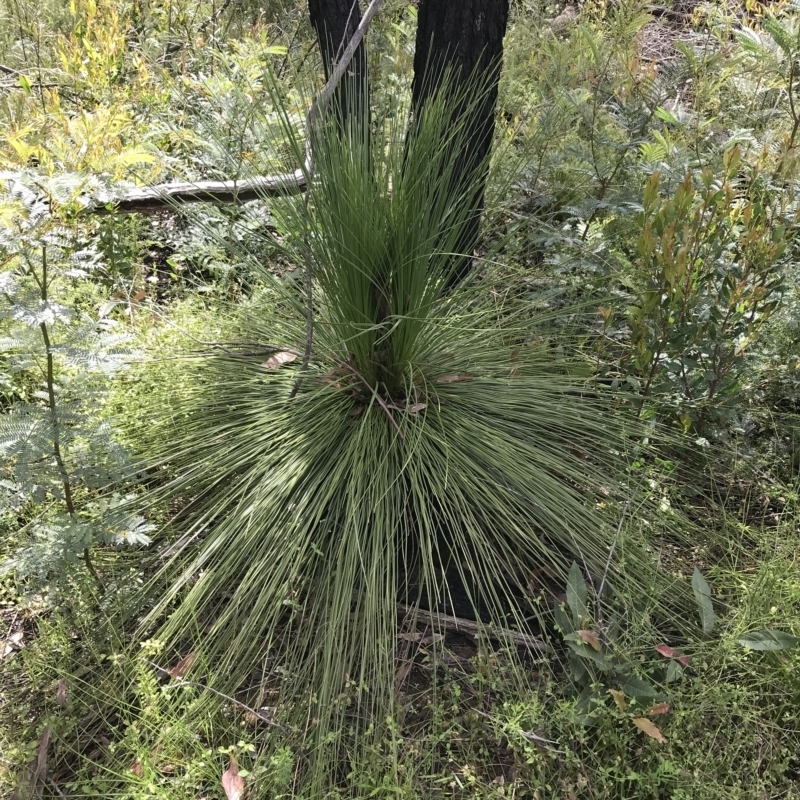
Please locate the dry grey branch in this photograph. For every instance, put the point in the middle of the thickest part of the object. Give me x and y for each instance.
(467, 626)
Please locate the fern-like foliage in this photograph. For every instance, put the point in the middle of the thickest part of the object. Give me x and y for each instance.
(57, 450)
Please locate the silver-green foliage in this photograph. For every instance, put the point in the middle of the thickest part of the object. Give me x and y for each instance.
(58, 451)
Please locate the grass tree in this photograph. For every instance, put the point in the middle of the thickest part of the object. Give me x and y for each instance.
(436, 437)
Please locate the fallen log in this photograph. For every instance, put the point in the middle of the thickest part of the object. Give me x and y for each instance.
(471, 628)
(169, 195)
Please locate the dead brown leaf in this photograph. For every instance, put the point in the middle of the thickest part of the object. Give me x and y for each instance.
(13, 643)
(590, 638)
(41, 753)
(31, 784)
(61, 693)
(232, 782)
(619, 698)
(277, 360)
(402, 673)
(646, 726)
(183, 666)
(656, 709)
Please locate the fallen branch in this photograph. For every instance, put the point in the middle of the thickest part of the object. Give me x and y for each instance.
(181, 682)
(471, 628)
(168, 195)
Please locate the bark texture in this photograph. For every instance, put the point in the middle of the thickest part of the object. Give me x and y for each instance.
(335, 21)
(464, 37)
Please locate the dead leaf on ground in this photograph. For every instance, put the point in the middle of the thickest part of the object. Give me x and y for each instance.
(402, 673)
(183, 666)
(41, 753)
(33, 783)
(619, 698)
(646, 726)
(670, 652)
(13, 643)
(277, 360)
(61, 693)
(232, 782)
(590, 638)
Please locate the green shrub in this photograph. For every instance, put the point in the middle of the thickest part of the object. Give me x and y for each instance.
(708, 279)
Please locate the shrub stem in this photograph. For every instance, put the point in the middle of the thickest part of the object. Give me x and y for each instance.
(51, 402)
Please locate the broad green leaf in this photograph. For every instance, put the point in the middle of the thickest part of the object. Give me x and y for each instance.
(578, 669)
(674, 671)
(592, 655)
(588, 700)
(636, 687)
(564, 623)
(702, 595)
(667, 116)
(576, 593)
(768, 640)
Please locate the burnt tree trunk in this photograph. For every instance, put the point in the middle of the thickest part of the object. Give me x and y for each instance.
(335, 21)
(463, 38)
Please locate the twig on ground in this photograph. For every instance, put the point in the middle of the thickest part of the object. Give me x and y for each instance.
(243, 706)
(599, 593)
(54, 787)
(468, 626)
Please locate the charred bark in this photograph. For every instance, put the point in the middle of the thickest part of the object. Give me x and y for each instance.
(463, 39)
(335, 22)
